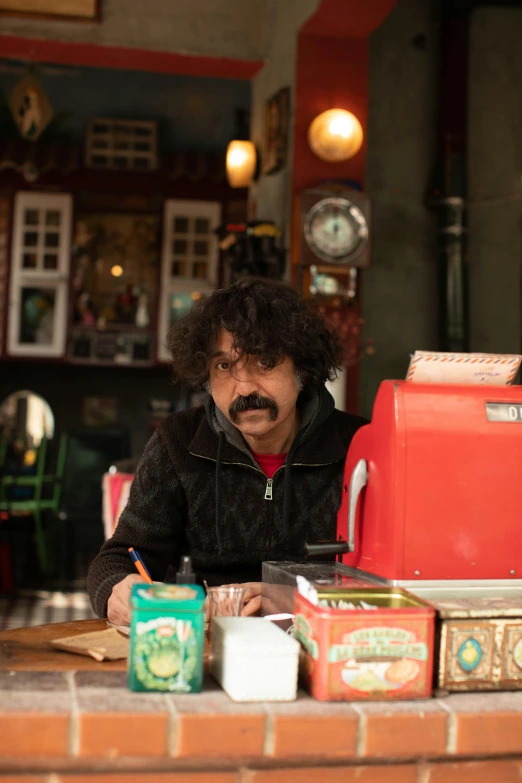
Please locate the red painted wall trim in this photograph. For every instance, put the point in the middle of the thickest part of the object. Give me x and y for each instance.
(68, 53)
(339, 19)
(332, 71)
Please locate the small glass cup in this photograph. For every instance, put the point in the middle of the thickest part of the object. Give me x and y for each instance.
(225, 601)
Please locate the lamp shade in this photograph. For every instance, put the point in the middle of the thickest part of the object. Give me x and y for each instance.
(241, 163)
(335, 135)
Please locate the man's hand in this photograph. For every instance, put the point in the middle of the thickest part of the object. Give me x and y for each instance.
(252, 599)
(118, 606)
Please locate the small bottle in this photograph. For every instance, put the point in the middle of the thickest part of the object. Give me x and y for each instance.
(185, 574)
(142, 313)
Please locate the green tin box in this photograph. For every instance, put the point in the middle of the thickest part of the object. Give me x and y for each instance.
(166, 638)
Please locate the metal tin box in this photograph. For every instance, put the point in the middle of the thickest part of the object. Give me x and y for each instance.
(364, 654)
(480, 643)
(279, 581)
(166, 638)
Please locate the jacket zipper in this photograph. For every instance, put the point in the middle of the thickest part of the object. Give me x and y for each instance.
(269, 482)
(268, 488)
(269, 496)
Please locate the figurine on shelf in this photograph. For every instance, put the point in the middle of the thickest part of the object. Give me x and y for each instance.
(84, 311)
(126, 306)
(108, 313)
(82, 265)
(142, 313)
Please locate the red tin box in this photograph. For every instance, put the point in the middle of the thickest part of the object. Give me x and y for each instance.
(365, 654)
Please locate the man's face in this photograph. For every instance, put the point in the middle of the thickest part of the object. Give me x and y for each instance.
(255, 399)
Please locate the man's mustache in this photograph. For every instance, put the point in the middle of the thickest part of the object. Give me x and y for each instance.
(253, 402)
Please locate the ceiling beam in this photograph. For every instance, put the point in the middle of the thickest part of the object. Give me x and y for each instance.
(35, 50)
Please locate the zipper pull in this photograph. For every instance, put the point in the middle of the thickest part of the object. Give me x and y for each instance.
(268, 490)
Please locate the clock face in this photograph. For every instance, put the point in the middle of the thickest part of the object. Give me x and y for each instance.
(336, 230)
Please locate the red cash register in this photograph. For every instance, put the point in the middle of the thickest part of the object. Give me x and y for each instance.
(432, 491)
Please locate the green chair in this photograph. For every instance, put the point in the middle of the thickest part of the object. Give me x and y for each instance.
(27, 486)
(44, 492)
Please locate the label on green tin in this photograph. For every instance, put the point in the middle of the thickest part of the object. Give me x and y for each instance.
(166, 654)
(167, 592)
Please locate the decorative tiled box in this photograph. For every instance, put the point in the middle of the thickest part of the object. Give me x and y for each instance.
(479, 643)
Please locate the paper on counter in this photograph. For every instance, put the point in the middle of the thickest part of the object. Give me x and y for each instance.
(107, 645)
(340, 604)
(124, 629)
(490, 369)
(306, 589)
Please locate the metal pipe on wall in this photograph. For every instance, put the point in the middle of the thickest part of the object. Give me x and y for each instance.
(450, 193)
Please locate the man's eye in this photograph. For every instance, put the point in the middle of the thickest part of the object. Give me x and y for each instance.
(222, 366)
(264, 365)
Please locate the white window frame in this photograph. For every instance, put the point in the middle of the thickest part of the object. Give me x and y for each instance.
(111, 151)
(56, 279)
(211, 210)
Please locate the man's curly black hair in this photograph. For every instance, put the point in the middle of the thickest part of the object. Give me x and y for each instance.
(267, 319)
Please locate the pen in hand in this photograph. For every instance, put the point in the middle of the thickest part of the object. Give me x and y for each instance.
(140, 565)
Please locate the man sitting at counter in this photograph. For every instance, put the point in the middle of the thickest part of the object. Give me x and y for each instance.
(253, 474)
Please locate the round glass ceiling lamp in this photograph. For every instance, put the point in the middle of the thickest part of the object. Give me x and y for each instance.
(240, 163)
(335, 135)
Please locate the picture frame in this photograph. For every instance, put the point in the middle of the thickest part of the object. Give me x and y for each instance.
(71, 10)
(30, 107)
(275, 140)
(99, 411)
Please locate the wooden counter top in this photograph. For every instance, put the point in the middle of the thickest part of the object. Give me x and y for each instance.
(28, 649)
(73, 718)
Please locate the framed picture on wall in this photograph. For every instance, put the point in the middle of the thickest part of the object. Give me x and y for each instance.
(80, 10)
(275, 141)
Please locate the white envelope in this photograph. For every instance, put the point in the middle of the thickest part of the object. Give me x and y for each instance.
(491, 369)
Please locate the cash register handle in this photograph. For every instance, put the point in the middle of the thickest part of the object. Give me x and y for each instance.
(326, 548)
(358, 481)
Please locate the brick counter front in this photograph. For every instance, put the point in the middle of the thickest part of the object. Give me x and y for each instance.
(86, 726)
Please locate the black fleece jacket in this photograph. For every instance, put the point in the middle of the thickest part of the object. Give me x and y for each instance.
(198, 490)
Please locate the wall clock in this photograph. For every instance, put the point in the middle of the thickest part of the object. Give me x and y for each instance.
(335, 228)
